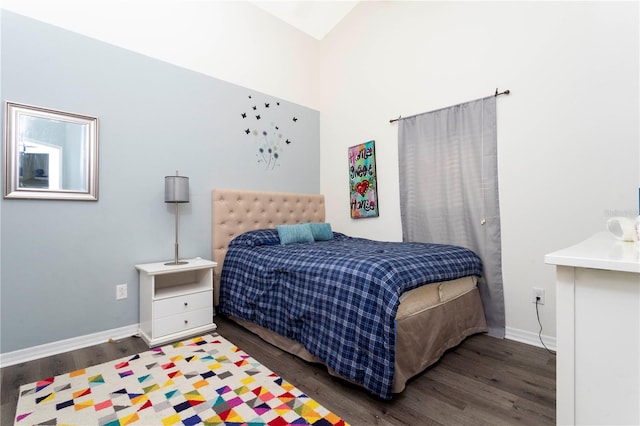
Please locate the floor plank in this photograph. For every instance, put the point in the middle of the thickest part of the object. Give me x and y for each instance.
(483, 381)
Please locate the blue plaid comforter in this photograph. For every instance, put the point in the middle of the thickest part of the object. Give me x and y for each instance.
(338, 298)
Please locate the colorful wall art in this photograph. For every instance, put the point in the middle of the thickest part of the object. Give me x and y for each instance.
(363, 187)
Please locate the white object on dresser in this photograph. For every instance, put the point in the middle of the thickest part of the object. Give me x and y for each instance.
(598, 332)
(176, 301)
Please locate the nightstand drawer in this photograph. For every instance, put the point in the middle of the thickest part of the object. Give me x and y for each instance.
(182, 322)
(182, 304)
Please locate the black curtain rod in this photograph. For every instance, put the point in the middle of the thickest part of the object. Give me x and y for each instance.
(506, 92)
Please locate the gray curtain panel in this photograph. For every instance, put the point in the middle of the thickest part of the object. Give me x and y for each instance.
(449, 189)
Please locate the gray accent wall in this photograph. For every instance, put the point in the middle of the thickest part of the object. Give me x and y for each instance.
(60, 261)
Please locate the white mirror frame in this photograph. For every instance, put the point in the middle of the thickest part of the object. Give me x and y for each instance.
(15, 139)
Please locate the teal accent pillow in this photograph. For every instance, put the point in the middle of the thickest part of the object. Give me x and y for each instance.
(321, 231)
(290, 234)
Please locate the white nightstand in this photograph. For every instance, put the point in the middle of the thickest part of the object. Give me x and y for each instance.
(176, 301)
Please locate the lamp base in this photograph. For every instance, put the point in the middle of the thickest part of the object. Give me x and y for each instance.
(179, 262)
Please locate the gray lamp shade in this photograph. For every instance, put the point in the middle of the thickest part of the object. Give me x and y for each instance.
(176, 189)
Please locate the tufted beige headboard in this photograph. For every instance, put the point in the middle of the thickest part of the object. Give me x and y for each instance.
(236, 211)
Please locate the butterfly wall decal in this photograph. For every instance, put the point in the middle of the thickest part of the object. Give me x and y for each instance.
(266, 131)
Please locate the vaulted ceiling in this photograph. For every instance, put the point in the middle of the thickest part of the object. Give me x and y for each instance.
(315, 18)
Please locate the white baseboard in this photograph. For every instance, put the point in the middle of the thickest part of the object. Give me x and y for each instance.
(54, 348)
(529, 338)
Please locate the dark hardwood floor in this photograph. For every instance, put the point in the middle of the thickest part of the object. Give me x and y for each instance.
(482, 381)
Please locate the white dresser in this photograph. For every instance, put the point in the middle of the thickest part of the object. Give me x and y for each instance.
(176, 301)
(598, 332)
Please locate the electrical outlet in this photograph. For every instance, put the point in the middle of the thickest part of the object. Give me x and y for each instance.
(537, 295)
(121, 291)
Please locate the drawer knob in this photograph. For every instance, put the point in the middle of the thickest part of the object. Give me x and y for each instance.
(186, 322)
(185, 303)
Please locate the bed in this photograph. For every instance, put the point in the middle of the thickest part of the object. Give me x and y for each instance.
(426, 319)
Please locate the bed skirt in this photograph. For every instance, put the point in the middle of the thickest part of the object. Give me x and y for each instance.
(430, 320)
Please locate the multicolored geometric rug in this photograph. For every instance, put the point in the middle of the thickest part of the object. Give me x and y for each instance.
(206, 380)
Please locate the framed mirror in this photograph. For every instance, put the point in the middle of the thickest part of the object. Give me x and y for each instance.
(50, 154)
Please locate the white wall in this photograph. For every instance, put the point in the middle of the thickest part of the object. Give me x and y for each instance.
(154, 118)
(233, 41)
(568, 133)
(154, 114)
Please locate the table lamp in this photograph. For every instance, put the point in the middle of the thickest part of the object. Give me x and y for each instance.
(176, 190)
